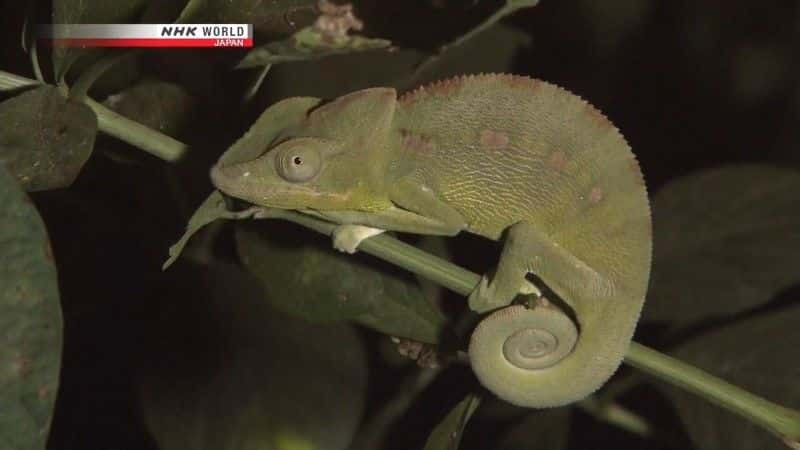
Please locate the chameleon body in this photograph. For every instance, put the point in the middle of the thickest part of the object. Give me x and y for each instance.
(502, 156)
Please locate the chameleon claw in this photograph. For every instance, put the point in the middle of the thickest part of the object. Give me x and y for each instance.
(481, 298)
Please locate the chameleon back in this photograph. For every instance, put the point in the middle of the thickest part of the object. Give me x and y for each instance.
(502, 149)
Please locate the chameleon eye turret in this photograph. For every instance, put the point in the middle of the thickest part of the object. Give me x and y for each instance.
(514, 345)
(297, 162)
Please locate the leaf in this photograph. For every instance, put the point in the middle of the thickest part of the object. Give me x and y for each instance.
(447, 435)
(274, 17)
(303, 276)
(160, 105)
(308, 44)
(88, 11)
(45, 138)
(759, 355)
(211, 209)
(224, 371)
(546, 429)
(725, 240)
(30, 320)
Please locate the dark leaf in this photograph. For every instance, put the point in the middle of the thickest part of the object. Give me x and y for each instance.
(758, 354)
(447, 435)
(45, 139)
(30, 320)
(88, 11)
(725, 241)
(227, 372)
(304, 276)
(160, 105)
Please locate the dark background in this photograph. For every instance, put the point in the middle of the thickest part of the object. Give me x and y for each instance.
(692, 85)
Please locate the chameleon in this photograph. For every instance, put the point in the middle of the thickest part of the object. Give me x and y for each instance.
(503, 156)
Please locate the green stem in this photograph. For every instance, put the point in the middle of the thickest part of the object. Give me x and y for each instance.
(111, 123)
(9, 81)
(781, 421)
(136, 134)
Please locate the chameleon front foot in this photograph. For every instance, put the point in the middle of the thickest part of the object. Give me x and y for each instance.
(346, 238)
(513, 350)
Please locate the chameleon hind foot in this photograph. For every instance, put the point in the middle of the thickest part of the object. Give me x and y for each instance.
(520, 251)
(484, 297)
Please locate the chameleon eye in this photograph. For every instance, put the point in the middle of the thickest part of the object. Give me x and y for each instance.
(299, 164)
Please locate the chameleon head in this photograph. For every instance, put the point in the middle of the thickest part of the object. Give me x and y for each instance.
(515, 345)
(301, 172)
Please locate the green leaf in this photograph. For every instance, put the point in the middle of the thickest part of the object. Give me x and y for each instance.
(547, 429)
(308, 44)
(160, 105)
(758, 354)
(725, 240)
(447, 435)
(88, 11)
(224, 371)
(274, 17)
(304, 276)
(211, 209)
(45, 138)
(30, 320)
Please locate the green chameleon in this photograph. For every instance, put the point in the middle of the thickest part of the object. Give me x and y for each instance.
(501, 156)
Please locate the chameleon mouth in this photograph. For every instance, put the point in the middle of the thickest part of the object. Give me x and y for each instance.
(236, 181)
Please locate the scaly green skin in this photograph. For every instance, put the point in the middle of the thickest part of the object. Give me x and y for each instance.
(487, 154)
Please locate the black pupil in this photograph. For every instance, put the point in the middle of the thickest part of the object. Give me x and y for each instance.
(297, 160)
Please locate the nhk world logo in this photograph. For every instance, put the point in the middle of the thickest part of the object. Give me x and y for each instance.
(148, 35)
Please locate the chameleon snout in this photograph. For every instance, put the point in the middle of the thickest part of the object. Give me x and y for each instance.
(224, 177)
(234, 179)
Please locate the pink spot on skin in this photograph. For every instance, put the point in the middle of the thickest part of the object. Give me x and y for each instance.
(596, 195)
(557, 161)
(494, 140)
(416, 143)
